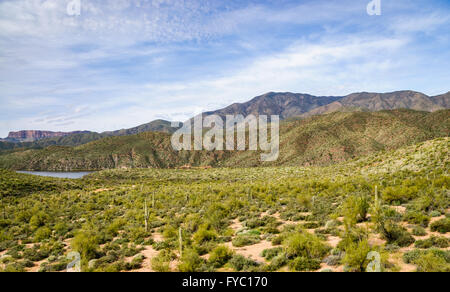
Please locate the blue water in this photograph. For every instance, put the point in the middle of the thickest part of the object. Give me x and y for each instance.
(73, 175)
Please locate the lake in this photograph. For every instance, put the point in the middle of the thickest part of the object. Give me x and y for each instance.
(73, 175)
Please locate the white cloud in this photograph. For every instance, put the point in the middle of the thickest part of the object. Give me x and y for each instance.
(426, 23)
(122, 63)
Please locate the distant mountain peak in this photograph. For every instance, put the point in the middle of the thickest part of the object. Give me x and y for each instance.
(371, 101)
(284, 104)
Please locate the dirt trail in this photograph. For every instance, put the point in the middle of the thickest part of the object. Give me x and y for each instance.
(149, 254)
(157, 237)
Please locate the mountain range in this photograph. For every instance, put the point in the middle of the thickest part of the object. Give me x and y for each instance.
(316, 140)
(35, 139)
(288, 105)
(34, 135)
(316, 130)
(285, 104)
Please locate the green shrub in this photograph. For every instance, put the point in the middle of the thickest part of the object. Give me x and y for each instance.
(161, 263)
(14, 268)
(400, 194)
(136, 263)
(28, 264)
(431, 263)
(245, 240)
(39, 220)
(311, 225)
(419, 231)
(411, 257)
(305, 245)
(190, 262)
(328, 231)
(86, 244)
(433, 241)
(356, 256)
(351, 236)
(441, 226)
(42, 233)
(220, 256)
(278, 262)
(241, 263)
(392, 215)
(304, 264)
(269, 254)
(417, 218)
(395, 234)
(435, 214)
(61, 229)
(260, 222)
(333, 260)
(35, 255)
(204, 234)
(277, 240)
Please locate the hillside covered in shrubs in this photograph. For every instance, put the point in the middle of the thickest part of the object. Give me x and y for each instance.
(315, 141)
(394, 203)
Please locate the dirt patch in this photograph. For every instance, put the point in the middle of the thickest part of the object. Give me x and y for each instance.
(37, 266)
(333, 241)
(375, 240)
(101, 190)
(149, 253)
(236, 225)
(397, 259)
(337, 269)
(157, 237)
(252, 251)
(399, 209)
(173, 266)
(434, 219)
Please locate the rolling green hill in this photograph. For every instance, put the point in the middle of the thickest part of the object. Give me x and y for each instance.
(318, 140)
(393, 202)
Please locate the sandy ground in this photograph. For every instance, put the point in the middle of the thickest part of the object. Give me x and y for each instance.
(399, 209)
(397, 259)
(149, 253)
(236, 225)
(252, 251)
(157, 237)
(324, 266)
(333, 241)
(375, 240)
(101, 190)
(36, 267)
(288, 222)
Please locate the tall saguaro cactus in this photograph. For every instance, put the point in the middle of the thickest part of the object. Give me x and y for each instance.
(181, 242)
(377, 213)
(153, 200)
(146, 215)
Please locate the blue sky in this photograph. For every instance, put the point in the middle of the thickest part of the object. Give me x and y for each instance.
(123, 63)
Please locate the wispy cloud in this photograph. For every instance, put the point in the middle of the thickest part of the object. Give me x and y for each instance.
(125, 62)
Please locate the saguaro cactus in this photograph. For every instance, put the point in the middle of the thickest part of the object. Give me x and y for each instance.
(181, 242)
(146, 215)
